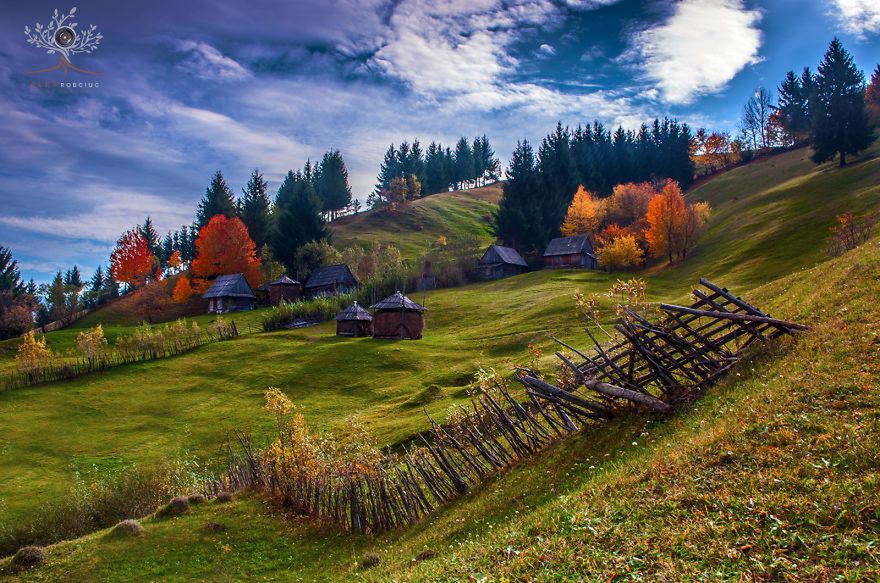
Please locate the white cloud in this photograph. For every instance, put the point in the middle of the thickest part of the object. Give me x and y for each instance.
(206, 62)
(857, 17)
(547, 49)
(699, 48)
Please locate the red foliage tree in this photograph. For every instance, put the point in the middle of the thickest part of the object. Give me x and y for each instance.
(182, 291)
(132, 262)
(224, 247)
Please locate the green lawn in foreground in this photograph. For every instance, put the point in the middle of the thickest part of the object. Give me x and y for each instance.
(772, 475)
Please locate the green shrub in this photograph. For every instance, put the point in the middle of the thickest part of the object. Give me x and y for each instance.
(370, 560)
(127, 528)
(27, 558)
(323, 308)
(224, 497)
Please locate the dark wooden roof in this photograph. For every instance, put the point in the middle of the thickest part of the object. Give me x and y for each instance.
(397, 301)
(330, 275)
(569, 246)
(354, 312)
(229, 286)
(284, 280)
(498, 254)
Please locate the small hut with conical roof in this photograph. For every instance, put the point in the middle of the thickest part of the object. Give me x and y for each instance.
(397, 316)
(354, 321)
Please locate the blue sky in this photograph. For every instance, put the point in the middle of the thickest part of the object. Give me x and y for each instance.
(191, 87)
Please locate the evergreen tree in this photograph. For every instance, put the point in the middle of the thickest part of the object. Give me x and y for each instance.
(255, 206)
(299, 219)
(490, 164)
(332, 184)
(388, 170)
(167, 249)
(218, 200)
(519, 205)
(184, 247)
(436, 171)
(152, 237)
(10, 276)
(794, 104)
(839, 120)
(479, 162)
(872, 98)
(111, 288)
(464, 163)
(95, 293)
(416, 166)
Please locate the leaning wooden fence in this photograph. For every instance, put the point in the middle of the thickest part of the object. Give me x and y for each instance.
(651, 365)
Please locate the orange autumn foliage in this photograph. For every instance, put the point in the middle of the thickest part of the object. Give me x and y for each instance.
(132, 262)
(224, 247)
(584, 215)
(174, 262)
(666, 215)
(182, 291)
(629, 202)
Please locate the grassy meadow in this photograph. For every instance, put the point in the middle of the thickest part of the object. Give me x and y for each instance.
(640, 497)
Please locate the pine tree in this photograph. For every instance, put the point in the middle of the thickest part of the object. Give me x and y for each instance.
(95, 295)
(464, 163)
(479, 162)
(167, 249)
(152, 237)
(839, 120)
(794, 104)
(218, 200)
(490, 164)
(519, 205)
(332, 184)
(299, 219)
(388, 170)
(255, 207)
(872, 98)
(10, 276)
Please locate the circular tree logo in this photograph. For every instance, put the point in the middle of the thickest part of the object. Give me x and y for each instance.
(62, 36)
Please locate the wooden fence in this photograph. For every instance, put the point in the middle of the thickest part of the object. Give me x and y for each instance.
(652, 365)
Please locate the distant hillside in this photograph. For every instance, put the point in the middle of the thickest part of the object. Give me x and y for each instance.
(418, 224)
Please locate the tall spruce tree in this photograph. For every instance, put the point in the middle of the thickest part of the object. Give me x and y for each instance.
(794, 104)
(10, 276)
(298, 219)
(331, 183)
(839, 120)
(464, 163)
(519, 206)
(218, 200)
(255, 209)
(388, 170)
(152, 237)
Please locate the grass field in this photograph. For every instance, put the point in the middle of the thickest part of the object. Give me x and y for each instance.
(770, 220)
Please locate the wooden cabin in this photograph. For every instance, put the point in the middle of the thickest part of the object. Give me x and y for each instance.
(574, 251)
(330, 281)
(284, 288)
(354, 321)
(499, 262)
(229, 293)
(398, 317)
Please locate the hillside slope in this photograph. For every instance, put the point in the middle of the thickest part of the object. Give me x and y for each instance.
(418, 224)
(184, 404)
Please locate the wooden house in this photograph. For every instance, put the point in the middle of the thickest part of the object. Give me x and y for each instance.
(284, 288)
(574, 251)
(229, 293)
(354, 321)
(330, 281)
(499, 262)
(397, 316)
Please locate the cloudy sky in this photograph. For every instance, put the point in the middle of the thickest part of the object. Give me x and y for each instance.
(191, 87)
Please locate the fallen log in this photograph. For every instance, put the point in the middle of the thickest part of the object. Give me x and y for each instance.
(733, 316)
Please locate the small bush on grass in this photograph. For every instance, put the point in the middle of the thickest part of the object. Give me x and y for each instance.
(370, 560)
(178, 506)
(27, 558)
(127, 528)
(224, 497)
(426, 554)
(196, 499)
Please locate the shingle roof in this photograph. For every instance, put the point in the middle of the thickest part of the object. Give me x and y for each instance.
(284, 280)
(396, 301)
(229, 286)
(569, 246)
(507, 255)
(354, 312)
(330, 275)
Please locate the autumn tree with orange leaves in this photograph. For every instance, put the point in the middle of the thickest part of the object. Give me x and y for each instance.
(584, 215)
(674, 226)
(224, 247)
(132, 262)
(182, 291)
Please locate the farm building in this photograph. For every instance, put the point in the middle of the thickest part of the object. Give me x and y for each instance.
(397, 316)
(229, 293)
(574, 251)
(354, 321)
(329, 281)
(498, 262)
(284, 288)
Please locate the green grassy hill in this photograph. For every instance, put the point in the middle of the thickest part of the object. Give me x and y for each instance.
(594, 506)
(464, 213)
